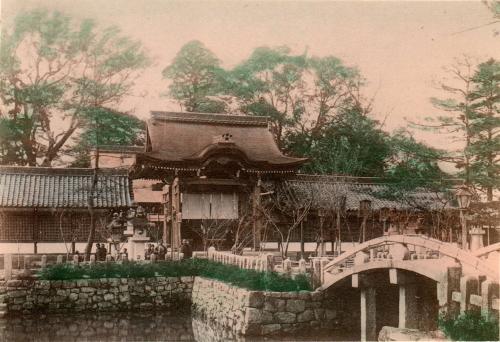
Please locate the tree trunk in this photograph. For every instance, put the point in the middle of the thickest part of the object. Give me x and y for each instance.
(91, 206)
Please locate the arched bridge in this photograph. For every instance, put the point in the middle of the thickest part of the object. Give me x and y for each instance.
(463, 280)
(409, 252)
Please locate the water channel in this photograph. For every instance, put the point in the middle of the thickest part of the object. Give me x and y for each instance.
(131, 326)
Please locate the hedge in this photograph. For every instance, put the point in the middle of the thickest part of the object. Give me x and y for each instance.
(249, 279)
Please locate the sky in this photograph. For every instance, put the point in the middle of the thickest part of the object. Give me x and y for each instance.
(400, 47)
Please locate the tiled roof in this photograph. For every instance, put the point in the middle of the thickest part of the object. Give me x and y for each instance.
(190, 138)
(121, 148)
(326, 192)
(22, 187)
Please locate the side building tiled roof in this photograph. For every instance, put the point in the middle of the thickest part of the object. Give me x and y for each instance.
(326, 192)
(41, 187)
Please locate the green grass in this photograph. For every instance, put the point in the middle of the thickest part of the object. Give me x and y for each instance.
(470, 326)
(249, 279)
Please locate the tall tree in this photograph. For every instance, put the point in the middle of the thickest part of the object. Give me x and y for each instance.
(51, 69)
(106, 127)
(271, 83)
(485, 127)
(472, 117)
(350, 144)
(196, 78)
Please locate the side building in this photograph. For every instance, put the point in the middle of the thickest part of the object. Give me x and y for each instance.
(44, 210)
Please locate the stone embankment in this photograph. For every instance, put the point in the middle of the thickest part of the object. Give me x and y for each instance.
(35, 296)
(240, 311)
(247, 312)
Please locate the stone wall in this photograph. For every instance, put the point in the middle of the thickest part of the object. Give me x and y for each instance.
(29, 296)
(233, 309)
(260, 313)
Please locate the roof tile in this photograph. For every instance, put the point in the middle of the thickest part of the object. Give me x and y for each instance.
(62, 188)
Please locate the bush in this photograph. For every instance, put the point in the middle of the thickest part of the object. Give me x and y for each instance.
(249, 279)
(470, 326)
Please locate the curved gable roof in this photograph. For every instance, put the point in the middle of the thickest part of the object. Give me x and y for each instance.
(184, 138)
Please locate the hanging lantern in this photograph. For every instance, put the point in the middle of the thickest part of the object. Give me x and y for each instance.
(464, 196)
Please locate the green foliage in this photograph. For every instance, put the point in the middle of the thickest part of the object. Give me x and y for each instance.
(351, 143)
(196, 75)
(72, 67)
(105, 127)
(472, 115)
(249, 279)
(470, 326)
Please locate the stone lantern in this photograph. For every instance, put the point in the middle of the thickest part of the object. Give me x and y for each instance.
(137, 227)
(116, 229)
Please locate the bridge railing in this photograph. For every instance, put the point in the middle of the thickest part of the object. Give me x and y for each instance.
(407, 247)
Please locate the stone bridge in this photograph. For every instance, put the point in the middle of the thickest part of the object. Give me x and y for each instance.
(462, 280)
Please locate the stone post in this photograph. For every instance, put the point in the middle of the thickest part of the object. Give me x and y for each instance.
(269, 262)
(368, 314)
(287, 265)
(316, 279)
(26, 262)
(92, 259)
(153, 258)
(489, 290)
(323, 263)
(302, 266)
(408, 306)
(76, 259)
(476, 238)
(43, 262)
(59, 259)
(468, 285)
(7, 261)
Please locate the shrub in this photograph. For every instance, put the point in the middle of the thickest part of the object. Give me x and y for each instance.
(249, 279)
(470, 326)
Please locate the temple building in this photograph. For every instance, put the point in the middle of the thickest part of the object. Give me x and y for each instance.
(213, 166)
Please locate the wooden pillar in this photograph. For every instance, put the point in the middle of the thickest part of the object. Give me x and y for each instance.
(35, 230)
(167, 214)
(368, 314)
(176, 215)
(257, 223)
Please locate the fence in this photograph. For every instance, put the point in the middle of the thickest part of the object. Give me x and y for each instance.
(14, 264)
(270, 262)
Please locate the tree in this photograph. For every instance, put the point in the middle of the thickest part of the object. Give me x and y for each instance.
(285, 211)
(472, 117)
(196, 77)
(270, 83)
(350, 143)
(112, 128)
(51, 70)
(485, 128)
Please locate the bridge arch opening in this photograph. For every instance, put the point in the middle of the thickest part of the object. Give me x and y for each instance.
(367, 301)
